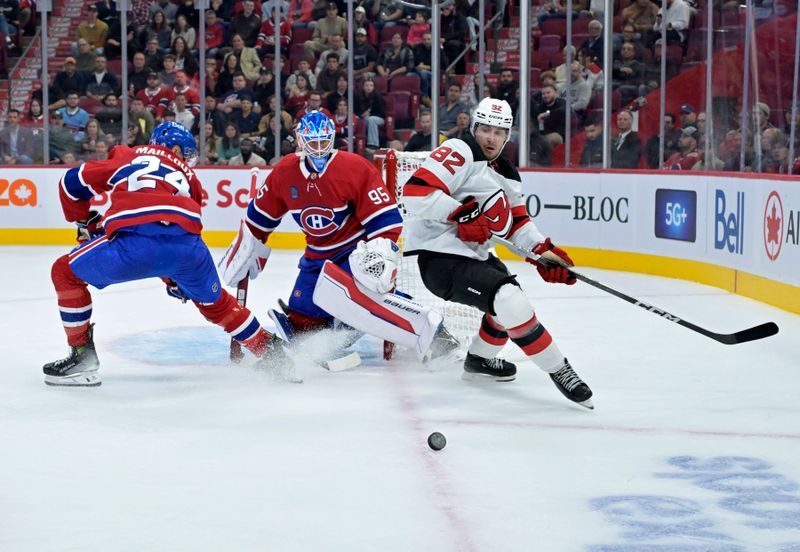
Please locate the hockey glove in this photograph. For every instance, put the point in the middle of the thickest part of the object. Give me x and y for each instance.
(174, 291)
(552, 263)
(90, 228)
(472, 224)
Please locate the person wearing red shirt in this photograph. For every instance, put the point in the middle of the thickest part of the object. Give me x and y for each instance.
(688, 154)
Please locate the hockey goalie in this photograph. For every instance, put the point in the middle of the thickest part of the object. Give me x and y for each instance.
(349, 267)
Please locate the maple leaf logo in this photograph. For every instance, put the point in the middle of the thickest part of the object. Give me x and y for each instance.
(23, 192)
(773, 225)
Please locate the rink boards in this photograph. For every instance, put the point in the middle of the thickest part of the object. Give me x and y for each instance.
(737, 232)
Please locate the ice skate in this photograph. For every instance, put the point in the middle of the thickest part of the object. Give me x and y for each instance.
(571, 386)
(78, 369)
(277, 362)
(477, 368)
(283, 326)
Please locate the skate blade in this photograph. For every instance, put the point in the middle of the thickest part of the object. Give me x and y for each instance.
(482, 378)
(586, 404)
(82, 379)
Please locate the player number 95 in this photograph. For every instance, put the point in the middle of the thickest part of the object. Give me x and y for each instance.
(378, 196)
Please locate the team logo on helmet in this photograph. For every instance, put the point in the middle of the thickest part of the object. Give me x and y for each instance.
(318, 221)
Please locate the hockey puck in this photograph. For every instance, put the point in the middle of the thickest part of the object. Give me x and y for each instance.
(436, 441)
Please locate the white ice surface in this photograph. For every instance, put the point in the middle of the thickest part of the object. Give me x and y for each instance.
(693, 445)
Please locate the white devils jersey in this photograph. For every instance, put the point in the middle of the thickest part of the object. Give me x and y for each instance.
(454, 171)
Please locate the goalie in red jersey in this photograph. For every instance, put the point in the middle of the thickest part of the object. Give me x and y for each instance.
(151, 229)
(349, 267)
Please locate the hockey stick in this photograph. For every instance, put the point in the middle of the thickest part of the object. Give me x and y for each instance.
(236, 354)
(750, 334)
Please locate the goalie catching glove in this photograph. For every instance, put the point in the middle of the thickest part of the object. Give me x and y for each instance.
(553, 263)
(246, 256)
(375, 263)
(472, 224)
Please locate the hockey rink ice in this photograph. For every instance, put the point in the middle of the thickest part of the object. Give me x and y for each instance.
(692, 446)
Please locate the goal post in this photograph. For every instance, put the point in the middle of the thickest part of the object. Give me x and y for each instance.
(462, 321)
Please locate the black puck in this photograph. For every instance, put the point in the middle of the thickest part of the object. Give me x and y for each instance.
(436, 441)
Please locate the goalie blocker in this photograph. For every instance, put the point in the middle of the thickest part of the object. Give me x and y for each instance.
(384, 315)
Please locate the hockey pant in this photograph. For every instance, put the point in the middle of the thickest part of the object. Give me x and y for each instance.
(127, 256)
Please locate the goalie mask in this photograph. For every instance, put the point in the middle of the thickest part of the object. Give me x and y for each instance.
(315, 133)
(493, 112)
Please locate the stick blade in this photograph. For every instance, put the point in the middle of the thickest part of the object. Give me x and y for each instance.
(752, 334)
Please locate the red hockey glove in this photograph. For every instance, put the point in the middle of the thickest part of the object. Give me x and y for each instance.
(551, 265)
(472, 224)
(91, 228)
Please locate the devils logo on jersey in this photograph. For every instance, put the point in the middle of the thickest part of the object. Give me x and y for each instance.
(318, 221)
(498, 212)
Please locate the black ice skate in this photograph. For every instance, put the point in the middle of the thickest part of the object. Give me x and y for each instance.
(276, 361)
(477, 368)
(443, 343)
(571, 386)
(78, 369)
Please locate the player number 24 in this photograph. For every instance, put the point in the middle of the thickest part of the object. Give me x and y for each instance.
(449, 158)
(149, 170)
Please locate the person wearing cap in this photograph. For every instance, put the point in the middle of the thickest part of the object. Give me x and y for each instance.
(688, 115)
(92, 30)
(365, 56)
(154, 97)
(62, 141)
(331, 24)
(761, 113)
(688, 154)
(360, 21)
(66, 80)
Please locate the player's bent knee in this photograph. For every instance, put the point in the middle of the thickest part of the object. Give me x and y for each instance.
(511, 306)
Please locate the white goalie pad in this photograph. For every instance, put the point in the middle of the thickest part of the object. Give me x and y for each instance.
(383, 315)
(246, 256)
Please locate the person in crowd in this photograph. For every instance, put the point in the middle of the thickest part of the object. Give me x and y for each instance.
(245, 119)
(249, 61)
(369, 105)
(153, 56)
(140, 115)
(630, 35)
(213, 144)
(85, 56)
(168, 9)
(331, 24)
(396, 59)
(422, 60)
(448, 111)
(93, 30)
(594, 42)
(246, 25)
(361, 21)
(671, 137)
(300, 13)
(333, 98)
(230, 144)
(215, 34)
(365, 56)
(187, 9)
(65, 81)
(327, 79)
(247, 156)
(184, 58)
(592, 154)
(626, 148)
(421, 139)
(110, 116)
(417, 29)
(17, 142)
(688, 115)
(298, 94)
(101, 82)
(688, 154)
(550, 116)
(62, 141)
(314, 103)
(627, 74)
(183, 115)
(678, 15)
(461, 128)
(74, 117)
(336, 44)
(35, 115)
(159, 30)
(265, 43)
(304, 67)
(170, 70)
(590, 70)
(508, 89)
(454, 30)
(91, 137)
(265, 146)
(760, 116)
(154, 97)
(642, 15)
(224, 83)
(185, 31)
(137, 77)
(231, 99)
(580, 91)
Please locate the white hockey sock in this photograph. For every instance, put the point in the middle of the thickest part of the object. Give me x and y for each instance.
(515, 313)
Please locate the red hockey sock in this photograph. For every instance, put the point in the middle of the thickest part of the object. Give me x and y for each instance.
(531, 337)
(305, 323)
(235, 319)
(74, 301)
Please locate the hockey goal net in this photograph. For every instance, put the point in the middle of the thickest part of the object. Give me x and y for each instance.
(461, 320)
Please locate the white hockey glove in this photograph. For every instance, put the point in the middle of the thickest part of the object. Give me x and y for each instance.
(246, 256)
(375, 264)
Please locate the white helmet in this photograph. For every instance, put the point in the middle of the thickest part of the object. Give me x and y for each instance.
(493, 112)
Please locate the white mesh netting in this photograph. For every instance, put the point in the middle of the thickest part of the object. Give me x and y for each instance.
(461, 321)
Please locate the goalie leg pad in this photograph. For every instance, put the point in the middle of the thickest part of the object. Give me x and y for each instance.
(245, 257)
(515, 312)
(386, 316)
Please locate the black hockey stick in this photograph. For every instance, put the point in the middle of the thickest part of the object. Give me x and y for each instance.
(236, 354)
(750, 334)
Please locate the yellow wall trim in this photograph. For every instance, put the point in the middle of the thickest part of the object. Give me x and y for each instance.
(785, 296)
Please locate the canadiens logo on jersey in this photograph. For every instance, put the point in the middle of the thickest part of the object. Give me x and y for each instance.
(319, 221)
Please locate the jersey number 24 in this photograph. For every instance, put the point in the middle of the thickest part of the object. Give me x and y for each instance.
(145, 171)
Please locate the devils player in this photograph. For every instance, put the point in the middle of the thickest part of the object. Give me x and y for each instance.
(462, 195)
(151, 229)
(351, 224)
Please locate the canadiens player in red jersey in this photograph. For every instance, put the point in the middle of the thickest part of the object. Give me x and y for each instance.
(151, 229)
(462, 195)
(351, 223)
